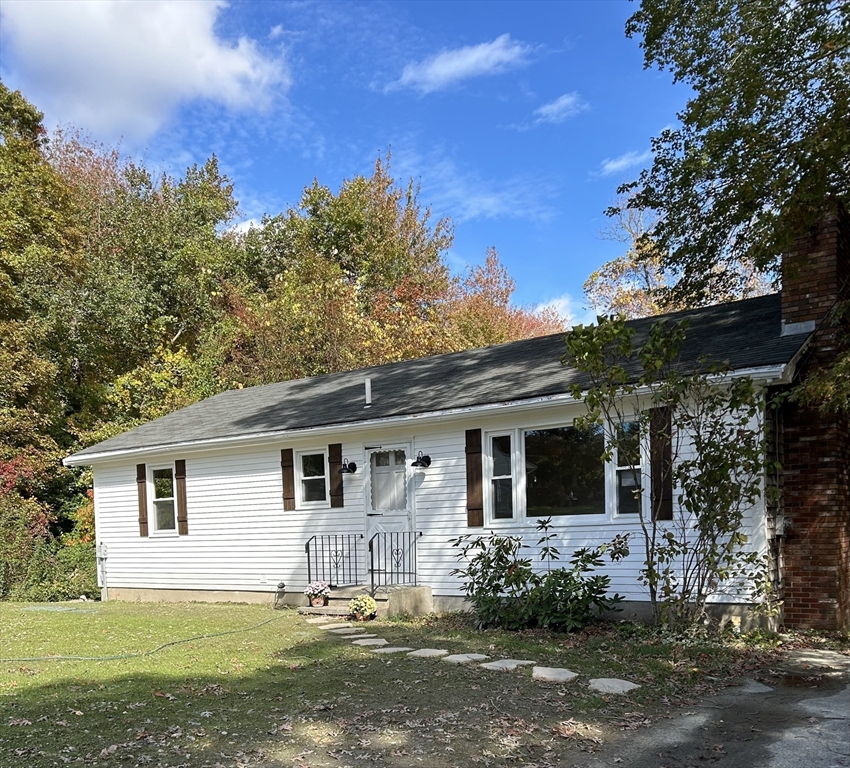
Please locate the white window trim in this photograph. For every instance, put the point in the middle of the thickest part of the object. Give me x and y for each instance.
(152, 518)
(614, 465)
(300, 503)
(517, 478)
(520, 517)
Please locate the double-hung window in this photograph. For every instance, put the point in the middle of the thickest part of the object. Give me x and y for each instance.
(312, 482)
(629, 468)
(163, 498)
(502, 477)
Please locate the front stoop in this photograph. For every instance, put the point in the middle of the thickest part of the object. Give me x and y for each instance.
(392, 601)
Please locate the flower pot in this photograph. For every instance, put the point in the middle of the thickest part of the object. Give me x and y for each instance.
(363, 616)
(318, 601)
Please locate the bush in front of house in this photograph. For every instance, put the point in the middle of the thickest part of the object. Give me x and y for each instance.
(506, 592)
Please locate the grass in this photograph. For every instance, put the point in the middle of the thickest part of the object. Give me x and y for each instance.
(276, 691)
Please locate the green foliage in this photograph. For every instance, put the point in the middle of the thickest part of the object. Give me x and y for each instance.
(717, 461)
(507, 592)
(125, 295)
(761, 151)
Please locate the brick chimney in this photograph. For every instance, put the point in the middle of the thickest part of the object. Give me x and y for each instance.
(816, 447)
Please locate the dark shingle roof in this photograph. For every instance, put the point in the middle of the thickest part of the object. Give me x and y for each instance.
(744, 334)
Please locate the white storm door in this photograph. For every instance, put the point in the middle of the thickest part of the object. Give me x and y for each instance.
(388, 491)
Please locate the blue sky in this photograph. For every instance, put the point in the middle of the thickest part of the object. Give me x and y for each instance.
(519, 119)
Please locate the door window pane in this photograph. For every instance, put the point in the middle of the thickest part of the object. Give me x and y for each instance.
(565, 474)
(389, 480)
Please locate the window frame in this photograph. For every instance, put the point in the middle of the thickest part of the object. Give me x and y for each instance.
(518, 468)
(489, 477)
(153, 518)
(643, 473)
(298, 469)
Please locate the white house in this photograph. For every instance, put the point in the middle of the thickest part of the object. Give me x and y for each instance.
(363, 477)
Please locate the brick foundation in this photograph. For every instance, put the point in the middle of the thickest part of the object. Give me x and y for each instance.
(816, 467)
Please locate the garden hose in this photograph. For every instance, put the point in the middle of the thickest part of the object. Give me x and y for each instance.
(121, 656)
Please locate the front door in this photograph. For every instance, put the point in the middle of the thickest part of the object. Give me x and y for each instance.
(389, 515)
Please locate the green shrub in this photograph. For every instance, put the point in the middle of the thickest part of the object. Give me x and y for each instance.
(56, 572)
(505, 590)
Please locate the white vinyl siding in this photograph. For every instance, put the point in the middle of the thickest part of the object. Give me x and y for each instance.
(241, 539)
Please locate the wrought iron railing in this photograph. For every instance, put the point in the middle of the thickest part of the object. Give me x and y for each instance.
(392, 558)
(335, 558)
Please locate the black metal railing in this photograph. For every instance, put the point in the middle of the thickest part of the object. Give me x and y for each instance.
(392, 558)
(334, 558)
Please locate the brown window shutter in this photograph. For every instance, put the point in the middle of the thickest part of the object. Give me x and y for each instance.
(661, 462)
(142, 487)
(334, 465)
(180, 482)
(287, 468)
(474, 479)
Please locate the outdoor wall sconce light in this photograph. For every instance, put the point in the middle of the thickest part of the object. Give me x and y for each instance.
(347, 468)
(422, 462)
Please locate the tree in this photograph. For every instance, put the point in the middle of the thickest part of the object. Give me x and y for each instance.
(479, 309)
(642, 283)
(713, 461)
(761, 152)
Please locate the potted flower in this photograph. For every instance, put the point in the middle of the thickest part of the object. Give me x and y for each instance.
(363, 608)
(318, 592)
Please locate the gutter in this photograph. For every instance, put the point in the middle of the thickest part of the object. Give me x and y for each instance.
(770, 374)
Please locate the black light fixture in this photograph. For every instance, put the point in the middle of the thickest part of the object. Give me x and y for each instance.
(422, 462)
(347, 468)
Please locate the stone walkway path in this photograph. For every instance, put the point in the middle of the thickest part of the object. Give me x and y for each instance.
(358, 635)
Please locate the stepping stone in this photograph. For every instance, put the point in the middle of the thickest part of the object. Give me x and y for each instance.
(506, 665)
(391, 650)
(611, 685)
(346, 631)
(427, 653)
(337, 625)
(321, 619)
(553, 674)
(464, 658)
(370, 641)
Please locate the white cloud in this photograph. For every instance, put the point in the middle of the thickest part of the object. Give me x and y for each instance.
(619, 164)
(449, 67)
(465, 195)
(123, 67)
(566, 306)
(560, 109)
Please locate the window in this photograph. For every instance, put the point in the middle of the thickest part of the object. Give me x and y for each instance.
(162, 479)
(312, 478)
(629, 469)
(564, 471)
(388, 474)
(502, 477)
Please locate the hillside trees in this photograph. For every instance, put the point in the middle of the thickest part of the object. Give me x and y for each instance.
(126, 294)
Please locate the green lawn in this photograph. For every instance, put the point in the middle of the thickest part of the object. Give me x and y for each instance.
(284, 693)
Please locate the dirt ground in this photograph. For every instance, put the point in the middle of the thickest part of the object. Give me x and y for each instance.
(795, 714)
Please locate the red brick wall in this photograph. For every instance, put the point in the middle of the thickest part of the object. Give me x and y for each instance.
(816, 470)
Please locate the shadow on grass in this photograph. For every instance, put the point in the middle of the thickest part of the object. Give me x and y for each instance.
(319, 701)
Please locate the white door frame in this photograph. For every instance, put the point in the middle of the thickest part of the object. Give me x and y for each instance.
(371, 514)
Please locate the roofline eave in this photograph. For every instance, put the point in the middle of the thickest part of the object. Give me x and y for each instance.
(773, 374)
